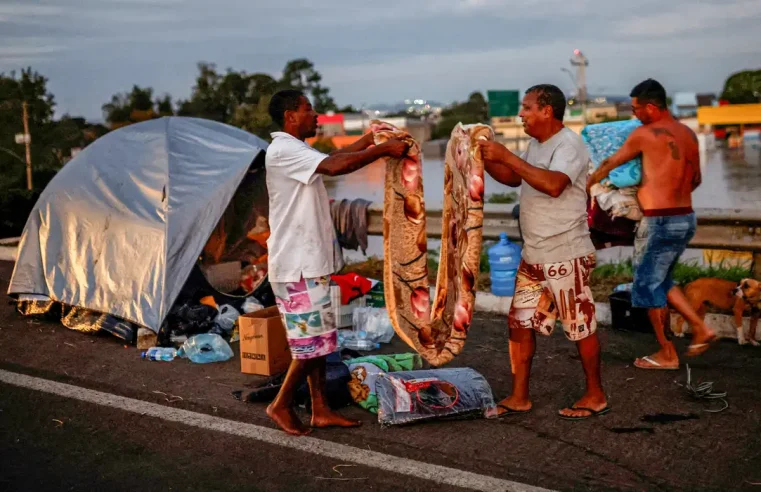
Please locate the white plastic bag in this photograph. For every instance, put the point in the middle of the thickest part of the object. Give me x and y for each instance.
(250, 305)
(373, 324)
(227, 317)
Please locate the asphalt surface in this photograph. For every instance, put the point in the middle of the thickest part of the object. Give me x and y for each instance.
(53, 443)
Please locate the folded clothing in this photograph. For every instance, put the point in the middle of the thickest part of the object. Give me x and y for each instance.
(365, 372)
(617, 202)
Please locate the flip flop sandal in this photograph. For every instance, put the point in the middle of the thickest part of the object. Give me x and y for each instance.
(654, 365)
(699, 348)
(509, 411)
(592, 413)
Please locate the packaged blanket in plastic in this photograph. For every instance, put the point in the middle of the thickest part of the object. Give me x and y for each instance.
(416, 396)
(365, 372)
(603, 140)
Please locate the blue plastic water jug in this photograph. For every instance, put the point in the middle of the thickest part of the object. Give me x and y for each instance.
(504, 259)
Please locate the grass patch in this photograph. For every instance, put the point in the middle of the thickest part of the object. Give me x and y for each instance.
(505, 198)
(607, 276)
(684, 273)
(603, 280)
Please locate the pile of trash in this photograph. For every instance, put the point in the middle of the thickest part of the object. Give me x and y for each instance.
(189, 318)
(202, 330)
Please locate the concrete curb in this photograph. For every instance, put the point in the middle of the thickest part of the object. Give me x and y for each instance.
(722, 324)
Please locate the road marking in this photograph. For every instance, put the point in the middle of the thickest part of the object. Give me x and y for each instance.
(418, 469)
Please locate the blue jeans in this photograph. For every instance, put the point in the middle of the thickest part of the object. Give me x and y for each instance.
(659, 243)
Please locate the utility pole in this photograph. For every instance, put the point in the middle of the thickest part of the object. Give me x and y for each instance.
(28, 142)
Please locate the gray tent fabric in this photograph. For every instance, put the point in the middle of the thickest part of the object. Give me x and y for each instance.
(120, 227)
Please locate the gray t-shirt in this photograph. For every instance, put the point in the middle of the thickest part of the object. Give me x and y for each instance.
(555, 229)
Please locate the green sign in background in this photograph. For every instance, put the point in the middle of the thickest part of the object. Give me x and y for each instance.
(503, 103)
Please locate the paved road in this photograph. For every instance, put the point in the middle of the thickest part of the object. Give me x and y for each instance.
(49, 442)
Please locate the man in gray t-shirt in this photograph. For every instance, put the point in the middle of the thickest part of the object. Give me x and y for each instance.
(558, 256)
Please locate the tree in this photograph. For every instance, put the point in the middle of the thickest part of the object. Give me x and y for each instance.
(164, 106)
(132, 107)
(348, 109)
(241, 99)
(30, 87)
(743, 87)
(300, 74)
(51, 144)
(474, 110)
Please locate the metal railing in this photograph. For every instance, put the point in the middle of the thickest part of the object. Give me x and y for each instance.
(737, 230)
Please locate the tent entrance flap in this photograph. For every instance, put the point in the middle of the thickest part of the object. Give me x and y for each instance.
(234, 259)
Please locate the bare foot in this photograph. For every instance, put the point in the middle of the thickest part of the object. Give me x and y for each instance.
(753, 342)
(287, 420)
(585, 406)
(328, 418)
(511, 403)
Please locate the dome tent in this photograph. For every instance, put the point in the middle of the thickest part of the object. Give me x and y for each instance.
(120, 228)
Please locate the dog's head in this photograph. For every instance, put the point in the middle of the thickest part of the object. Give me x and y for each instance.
(749, 290)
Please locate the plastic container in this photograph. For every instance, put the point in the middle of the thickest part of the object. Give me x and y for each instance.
(373, 324)
(205, 348)
(362, 345)
(344, 312)
(626, 317)
(166, 354)
(504, 259)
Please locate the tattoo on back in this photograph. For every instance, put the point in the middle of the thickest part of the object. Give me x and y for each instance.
(661, 131)
(674, 151)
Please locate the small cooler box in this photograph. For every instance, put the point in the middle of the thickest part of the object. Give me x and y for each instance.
(626, 317)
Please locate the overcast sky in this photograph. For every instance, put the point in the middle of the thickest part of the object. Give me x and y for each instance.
(374, 52)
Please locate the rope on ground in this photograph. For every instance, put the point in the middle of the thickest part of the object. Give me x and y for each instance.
(704, 391)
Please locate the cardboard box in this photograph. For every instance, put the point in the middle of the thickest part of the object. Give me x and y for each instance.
(263, 345)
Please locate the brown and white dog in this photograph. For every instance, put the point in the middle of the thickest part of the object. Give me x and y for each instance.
(725, 295)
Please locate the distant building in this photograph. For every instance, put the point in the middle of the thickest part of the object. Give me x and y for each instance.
(707, 100)
(684, 104)
(330, 124)
(346, 128)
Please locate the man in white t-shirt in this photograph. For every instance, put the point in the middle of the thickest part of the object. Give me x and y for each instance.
(303, 250)
(552, 282)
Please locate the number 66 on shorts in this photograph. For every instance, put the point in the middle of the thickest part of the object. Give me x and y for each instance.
(547, 292)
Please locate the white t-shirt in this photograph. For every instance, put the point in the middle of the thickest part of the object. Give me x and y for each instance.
(555, 229)
(302, 240)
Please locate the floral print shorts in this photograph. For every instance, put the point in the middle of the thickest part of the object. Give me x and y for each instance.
(308, 316)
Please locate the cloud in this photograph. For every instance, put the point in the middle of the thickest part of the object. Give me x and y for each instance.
(696, 17)
(27, 52)
(15, 10)
(375, 52)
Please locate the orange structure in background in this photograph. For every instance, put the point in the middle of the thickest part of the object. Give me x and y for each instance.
(340, 141)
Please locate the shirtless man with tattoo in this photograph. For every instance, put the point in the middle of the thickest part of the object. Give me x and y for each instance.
(670, 173)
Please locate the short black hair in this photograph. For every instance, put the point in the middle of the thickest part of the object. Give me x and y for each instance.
(282, 101)
(550, 95)
(650, 92)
